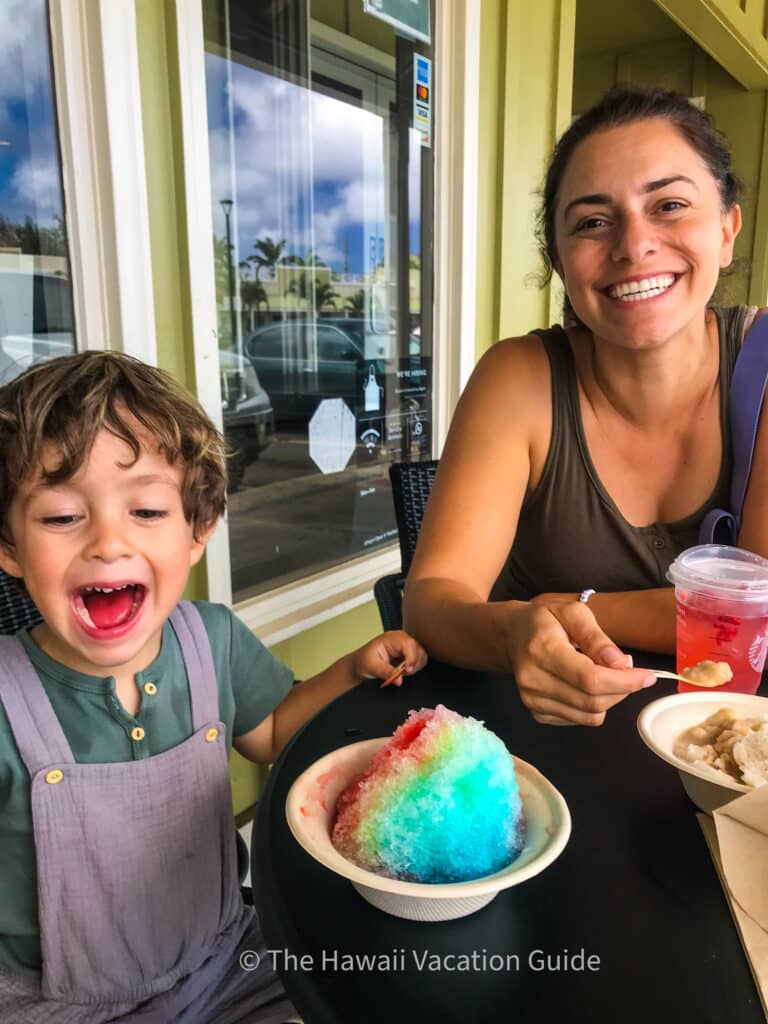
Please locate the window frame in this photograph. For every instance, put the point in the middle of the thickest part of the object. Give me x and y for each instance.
(290, 609)
(95, 61)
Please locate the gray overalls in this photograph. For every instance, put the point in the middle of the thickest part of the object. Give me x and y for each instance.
(141, 916)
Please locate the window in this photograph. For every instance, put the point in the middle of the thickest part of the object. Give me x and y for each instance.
(36, 319)
(321, 194)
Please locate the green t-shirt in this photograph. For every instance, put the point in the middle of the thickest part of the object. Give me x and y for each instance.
(251, 683)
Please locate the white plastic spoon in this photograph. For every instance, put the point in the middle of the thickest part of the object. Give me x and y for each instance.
(705, 673)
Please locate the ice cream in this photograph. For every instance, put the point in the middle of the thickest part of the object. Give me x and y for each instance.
(736, 746)
(708, 673)
(438, 803)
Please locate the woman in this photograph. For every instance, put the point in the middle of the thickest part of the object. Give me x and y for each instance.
(587, 457)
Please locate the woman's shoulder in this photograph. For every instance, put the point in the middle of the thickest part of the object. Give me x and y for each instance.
(509, 394)
(527, 355)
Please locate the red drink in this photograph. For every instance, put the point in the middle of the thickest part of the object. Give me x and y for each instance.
(721, 596)
(712, 628)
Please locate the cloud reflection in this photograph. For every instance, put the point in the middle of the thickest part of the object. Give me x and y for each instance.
(303, 166)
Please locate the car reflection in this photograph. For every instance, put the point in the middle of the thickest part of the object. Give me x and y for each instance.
(300, 362)
(246, 412)
(36, 325)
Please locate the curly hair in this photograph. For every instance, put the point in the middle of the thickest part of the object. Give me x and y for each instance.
(65, 402)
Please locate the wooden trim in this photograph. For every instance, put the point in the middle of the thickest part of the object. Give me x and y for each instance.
(457, 75)
(96, 76)
(286, 611)
(119, 81)
(199, 255)
(565, 47)
(735, 38)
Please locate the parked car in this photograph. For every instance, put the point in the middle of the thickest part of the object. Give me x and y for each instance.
(36, 325)
(246, 411)
(300, 362)
(35, 319)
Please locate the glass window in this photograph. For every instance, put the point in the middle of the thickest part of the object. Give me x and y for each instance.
(321, 171)
(36, 319)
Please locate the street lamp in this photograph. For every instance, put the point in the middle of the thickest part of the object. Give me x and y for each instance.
(226, 205)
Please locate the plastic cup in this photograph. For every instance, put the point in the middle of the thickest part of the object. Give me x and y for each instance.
(721, 599)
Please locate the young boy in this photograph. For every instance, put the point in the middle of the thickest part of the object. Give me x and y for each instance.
(119, 896)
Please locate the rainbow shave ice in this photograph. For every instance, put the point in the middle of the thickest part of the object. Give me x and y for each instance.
(438, 803)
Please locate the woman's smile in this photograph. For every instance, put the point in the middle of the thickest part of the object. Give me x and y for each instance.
(641, 288)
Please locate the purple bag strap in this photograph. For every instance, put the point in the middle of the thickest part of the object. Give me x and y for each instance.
(750, 376)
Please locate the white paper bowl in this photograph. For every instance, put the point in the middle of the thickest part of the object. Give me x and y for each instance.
(661, 722)
(310, 809)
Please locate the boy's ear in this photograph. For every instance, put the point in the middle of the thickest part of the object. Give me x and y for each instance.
(200, 542)
(8, 561)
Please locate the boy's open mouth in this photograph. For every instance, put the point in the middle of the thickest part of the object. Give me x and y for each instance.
(108, 607)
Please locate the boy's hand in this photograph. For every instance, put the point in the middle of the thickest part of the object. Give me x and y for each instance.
(379, 658)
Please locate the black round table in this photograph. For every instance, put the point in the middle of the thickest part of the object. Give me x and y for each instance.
(634, 889)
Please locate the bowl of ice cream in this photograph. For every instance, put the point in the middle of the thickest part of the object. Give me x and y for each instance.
(419, 831)
(717, 741)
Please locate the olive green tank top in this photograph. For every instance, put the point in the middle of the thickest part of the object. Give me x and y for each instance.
(571, 535)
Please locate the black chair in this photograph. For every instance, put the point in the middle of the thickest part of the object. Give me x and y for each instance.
(411, 486)
(17, 608)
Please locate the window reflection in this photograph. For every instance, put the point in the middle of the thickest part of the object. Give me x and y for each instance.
(36, 319)
(317, 197)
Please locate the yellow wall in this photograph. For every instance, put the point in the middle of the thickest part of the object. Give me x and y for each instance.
(165, 182)
(493, 49)
(525, 85)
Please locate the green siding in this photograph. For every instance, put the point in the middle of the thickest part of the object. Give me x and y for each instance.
(489, 163)
(162, 143)
(158, 71)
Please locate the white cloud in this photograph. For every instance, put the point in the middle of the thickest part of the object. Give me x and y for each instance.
(287, 140)
(37, 186)
(24, 32)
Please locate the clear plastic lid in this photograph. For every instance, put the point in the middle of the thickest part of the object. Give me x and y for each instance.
(715, 568)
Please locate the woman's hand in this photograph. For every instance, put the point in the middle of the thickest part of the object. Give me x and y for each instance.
(568, 670)
(380, 656)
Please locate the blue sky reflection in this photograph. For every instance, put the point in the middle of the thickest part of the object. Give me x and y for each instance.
(300, 165)
(30, 183)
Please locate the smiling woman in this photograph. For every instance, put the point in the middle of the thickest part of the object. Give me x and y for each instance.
(588, 456)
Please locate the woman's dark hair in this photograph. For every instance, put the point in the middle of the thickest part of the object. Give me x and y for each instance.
(623, 105)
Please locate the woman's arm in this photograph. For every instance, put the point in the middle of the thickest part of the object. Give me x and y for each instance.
(472, 514)
(501, 428)
(642, 619)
